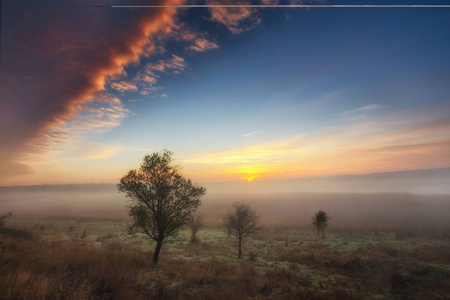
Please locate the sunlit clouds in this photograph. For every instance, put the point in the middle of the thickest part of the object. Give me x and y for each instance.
(193, 40)
(67, 67)
(124, 86)
(148, 76)
(237, 93)
(104, 113)
(202, 45)
(57, 80)
(235, 19)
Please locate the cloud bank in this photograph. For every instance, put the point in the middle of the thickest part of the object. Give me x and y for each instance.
(56, 61)
(59, 58)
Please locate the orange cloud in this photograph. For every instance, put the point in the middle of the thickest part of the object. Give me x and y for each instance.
(62, 64)
(197, 41)
(236, 19)
(202, 45)
(175, 64)
(123, 86)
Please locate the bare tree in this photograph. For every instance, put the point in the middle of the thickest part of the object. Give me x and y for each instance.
(195, 223)
(162, 201)
(320, 220)
(7, 215)
(241, 221)
(228, 226)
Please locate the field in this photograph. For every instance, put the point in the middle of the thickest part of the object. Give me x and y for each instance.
(75, 258)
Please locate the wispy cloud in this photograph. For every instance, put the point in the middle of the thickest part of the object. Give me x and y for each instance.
(175, 65)
(147, 77)
(102, 114)
(99, 116)
(361, 111)
(235, 19)
(250, 134)
(197, 41)
(367, 108)
(96, 151)
(202, 45)
(124, 86)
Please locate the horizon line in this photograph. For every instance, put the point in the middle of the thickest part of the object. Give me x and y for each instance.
(224, 181)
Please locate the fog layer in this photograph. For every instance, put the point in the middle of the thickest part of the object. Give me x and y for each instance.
(351, 200)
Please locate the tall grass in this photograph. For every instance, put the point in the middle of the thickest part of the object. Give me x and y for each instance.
(71, 270)
(40, 269)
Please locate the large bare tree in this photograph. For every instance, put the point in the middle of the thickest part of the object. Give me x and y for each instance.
(162, 200)
(241, 221)
(320, 220)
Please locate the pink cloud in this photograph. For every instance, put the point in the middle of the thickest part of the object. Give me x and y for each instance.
(197, 41)
(176, 63)
(123, 86)
(202, 45)
(236, 19)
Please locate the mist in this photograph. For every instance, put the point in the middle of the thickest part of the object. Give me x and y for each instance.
(425, 181)
(413, 199)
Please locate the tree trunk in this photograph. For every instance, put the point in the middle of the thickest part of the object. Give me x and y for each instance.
(157, 250)
(240, 247)
(318, 231)
(193, 233)
(323, 234)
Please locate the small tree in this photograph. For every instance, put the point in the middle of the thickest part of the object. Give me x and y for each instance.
(320, 220)
(7, 215)
(241, 221)
(195, 223)
(227, 226)
(162, 201)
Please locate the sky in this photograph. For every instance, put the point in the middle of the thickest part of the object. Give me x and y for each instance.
(237, 93)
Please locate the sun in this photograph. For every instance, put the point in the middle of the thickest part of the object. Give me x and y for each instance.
(250, 178)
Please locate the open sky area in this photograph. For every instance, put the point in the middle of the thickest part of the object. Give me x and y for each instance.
(237, 93)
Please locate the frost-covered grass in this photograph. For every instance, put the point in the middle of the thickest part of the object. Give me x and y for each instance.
(286, 263)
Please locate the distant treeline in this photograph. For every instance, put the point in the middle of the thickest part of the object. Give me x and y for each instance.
(82, 187)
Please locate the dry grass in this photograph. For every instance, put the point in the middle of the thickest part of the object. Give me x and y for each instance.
(278, 264)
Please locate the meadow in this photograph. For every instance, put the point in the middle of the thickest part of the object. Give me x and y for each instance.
(95, 258)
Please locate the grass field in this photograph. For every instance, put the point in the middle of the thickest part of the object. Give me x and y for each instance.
(75, 258)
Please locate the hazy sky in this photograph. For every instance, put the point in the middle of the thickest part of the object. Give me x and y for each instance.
(236, 93)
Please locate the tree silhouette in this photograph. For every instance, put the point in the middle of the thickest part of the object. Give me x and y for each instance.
(194, 223)
(241, 221)
(320, 220)
(7, 215)
(162, 200)
(227, 226)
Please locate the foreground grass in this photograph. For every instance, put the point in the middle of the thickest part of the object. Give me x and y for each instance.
(62, 261)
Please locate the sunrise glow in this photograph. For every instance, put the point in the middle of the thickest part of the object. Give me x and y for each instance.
(147, 146)
(236, 96)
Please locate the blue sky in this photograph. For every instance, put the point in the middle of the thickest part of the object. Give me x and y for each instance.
(236, 93)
